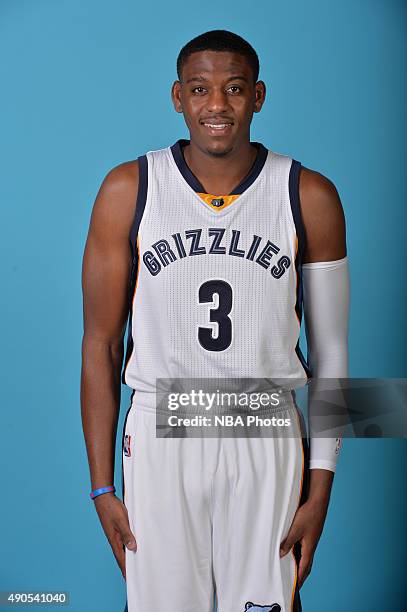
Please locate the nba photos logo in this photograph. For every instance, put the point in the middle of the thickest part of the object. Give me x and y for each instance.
(126, 445)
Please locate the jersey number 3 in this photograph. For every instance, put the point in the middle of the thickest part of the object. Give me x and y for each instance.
(219, 315)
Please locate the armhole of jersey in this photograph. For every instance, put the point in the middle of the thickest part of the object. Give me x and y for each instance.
(294, 193)
(134, 230)
(140, 203)
(294, 190)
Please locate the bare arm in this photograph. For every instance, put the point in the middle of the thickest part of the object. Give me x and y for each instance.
(105, 284)
(323, 218)
(324, 222)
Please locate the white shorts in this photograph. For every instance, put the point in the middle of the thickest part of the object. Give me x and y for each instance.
(208, 515)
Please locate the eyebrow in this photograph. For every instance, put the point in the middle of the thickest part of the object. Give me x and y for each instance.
(232, 78)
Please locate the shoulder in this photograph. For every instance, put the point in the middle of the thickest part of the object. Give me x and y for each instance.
(318, 194)
(122, 180)
(114, 208)
(323, 217)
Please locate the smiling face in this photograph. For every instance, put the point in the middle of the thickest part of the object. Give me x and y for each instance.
(217, 96)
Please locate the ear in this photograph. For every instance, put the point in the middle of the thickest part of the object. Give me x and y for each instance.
(275, 608)
(260, 95)
(176, 96)
(249, 605)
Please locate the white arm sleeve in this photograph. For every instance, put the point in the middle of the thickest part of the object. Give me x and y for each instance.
(326, 295)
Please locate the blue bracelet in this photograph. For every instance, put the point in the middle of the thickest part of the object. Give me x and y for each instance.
(98, 492)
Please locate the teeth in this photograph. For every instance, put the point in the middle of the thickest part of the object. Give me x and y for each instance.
(219, 126)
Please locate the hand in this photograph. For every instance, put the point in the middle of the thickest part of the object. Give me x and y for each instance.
(115, 522)
(306, 528)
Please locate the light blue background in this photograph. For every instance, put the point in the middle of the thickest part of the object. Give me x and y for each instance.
(85, 86)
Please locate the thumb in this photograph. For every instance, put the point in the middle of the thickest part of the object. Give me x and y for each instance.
(130, 542)
(126, 535)
(287, 544)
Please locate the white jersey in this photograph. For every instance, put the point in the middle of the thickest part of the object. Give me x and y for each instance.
(216, 281)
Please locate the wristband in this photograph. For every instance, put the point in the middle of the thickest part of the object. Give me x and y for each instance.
(98, 492)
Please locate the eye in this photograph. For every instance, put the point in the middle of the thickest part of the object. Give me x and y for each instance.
(236, 88)
(195, 90)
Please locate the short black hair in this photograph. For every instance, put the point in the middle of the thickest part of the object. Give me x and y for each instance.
(219, 40)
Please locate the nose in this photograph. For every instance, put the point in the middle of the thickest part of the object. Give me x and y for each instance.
(216, 101)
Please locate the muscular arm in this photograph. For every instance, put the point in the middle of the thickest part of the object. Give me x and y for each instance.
(105, 285)
(325, 230)
(105, 278)
(323, 218)
(325, 310)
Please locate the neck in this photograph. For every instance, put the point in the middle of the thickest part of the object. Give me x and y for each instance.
(219, 174)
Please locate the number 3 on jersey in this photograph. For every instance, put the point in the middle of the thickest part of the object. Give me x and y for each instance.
(219, 315)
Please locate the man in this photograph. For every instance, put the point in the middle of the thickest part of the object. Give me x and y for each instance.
(206, 247)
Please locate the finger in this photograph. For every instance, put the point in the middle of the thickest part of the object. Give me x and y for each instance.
(304, 568)
(126, 535)
(292, 537)
(119, 552)
(303, 577)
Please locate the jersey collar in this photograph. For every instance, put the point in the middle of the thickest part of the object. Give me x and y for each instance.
(195, 184)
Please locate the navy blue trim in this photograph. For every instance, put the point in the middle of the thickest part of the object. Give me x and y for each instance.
(254, 171)
(183, 167)
(294, 193)
(140, 206)
(196, 185)
(294, 190)
(297, 606)
(141, 202)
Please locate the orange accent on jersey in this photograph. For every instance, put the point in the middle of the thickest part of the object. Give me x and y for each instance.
(227, 200)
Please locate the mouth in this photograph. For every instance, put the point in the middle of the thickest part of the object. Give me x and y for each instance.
(217, 127)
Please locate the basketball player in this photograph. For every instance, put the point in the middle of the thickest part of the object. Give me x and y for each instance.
(210, 248)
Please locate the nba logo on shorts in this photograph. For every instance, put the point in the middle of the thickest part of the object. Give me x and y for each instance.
(126, 446)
